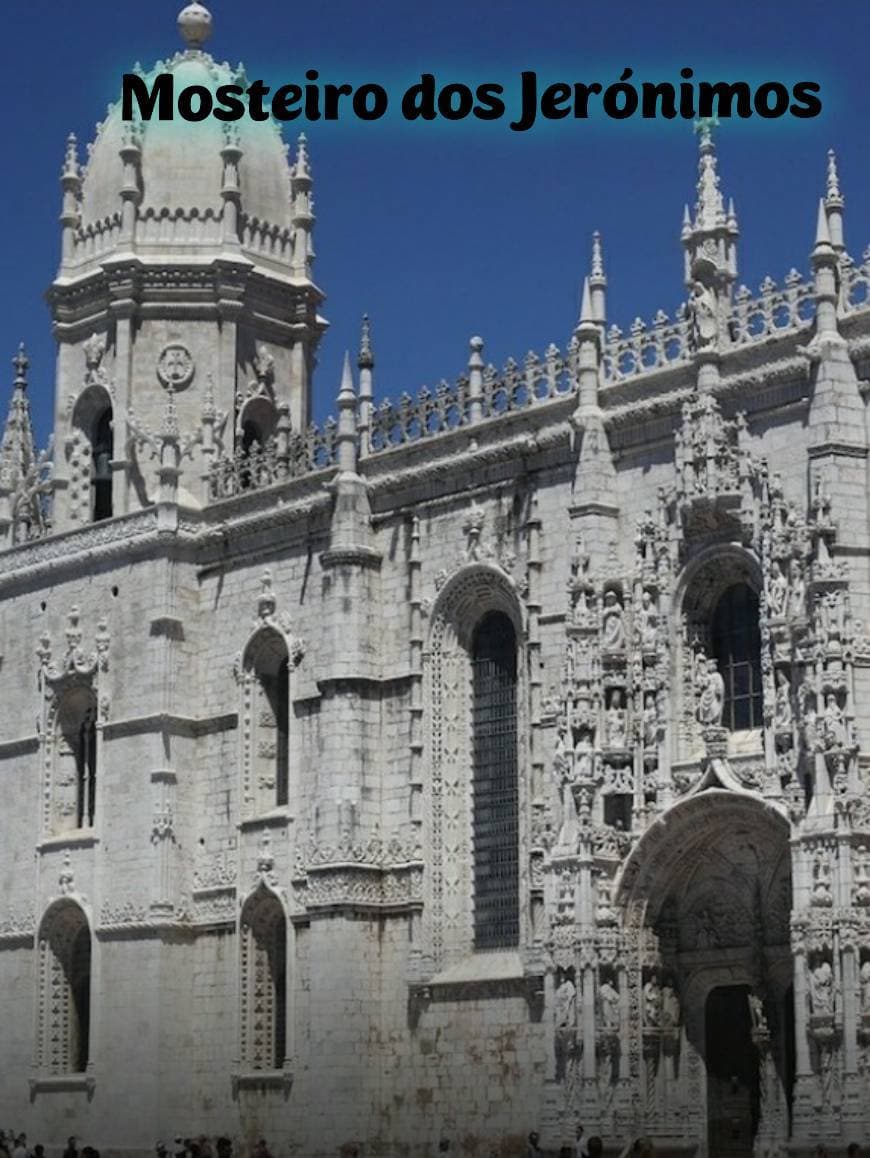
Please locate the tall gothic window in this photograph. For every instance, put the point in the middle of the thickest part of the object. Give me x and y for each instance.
(495, 784)
(263, 983)
(76, 768)
(102, 451)
(269, 684)
(64, 990)
(736, 644)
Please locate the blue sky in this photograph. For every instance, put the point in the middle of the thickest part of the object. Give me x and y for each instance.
(444, 231)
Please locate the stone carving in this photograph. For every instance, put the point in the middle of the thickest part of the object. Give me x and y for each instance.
(648, 622)
(865, 988)
(712, 699)
(670, 1007)
(615, 720)
(777, 591)
(608, 1007)
(782, 714)
(702, 313)
(822, 990)
(175, 367)
(612, 623)
(565, 1020)
(861, 877)
(652, 1004)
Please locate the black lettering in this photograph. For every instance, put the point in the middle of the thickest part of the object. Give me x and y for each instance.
(133, 86)
(553, 99)
(419, 100)
(490, 106)
(806, 103)
(370, 102)
(284, 100)
(724, 95)
(229, 106)
(186, 98)
(529, 97)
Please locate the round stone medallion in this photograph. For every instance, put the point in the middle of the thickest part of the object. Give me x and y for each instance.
(175, 366)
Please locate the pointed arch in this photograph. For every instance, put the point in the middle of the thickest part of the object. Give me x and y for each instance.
(266, 684)
(93, 426)
(263, 988)
(476, 691)
(64, 945)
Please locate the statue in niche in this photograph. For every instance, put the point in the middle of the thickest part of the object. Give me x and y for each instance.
(604, 914)
(650, 721)
(565, 1019)
(777, 591)
(612, 624)
(865, 988)
(712, 701)
(608, 1006)
(615, 720)
(670, 1007)
(652, 1004)
(701, 311)
(822, 875)
(706, 936)
(782, 714)
(797, 591)
(822, 990)
(649, 620)
(834, 723)
(862, 877)
(831, 614)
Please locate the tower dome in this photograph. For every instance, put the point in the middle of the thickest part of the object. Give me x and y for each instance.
(180, 175)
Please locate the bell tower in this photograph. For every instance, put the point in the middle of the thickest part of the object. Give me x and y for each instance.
(185, 284)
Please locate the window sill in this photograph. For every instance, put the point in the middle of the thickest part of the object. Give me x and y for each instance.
(277, 818)
(63, 1083)
(263, 1080)
(81, 838)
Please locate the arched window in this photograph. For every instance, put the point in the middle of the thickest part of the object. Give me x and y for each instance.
(495, 783)
(65, 990)
(102, 452)
(75, 795)
(263, 973)
(735, 639)
(267, 671)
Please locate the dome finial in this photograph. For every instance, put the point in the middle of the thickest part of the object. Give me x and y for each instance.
(194, 24)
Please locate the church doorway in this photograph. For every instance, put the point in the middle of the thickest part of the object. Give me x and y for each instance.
(733, 1088)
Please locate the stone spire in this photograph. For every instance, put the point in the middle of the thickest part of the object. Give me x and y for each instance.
(366, 364)
(303, 215)
(598, 281)
(834, 204)
(593, 510)
(18, 455)
(23, 474)
(71, 184)
(709, 239)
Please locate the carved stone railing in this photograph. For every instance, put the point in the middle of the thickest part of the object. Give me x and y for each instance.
(646, 348)
(261, 466)
(516, 387)
(775, 311)
(856, 282)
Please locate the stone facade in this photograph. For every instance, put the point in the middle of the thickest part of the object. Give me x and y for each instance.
(242, 666)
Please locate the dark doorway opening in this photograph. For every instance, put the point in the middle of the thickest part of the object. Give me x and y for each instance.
(733, 1094)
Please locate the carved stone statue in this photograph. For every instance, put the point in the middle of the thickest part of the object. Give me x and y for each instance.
(831, 616)
(650, 722)
(712, 701)
(565, 1005)
(670, 1008)
(822, 990)
(649, 620)
(822, 880)
(612, 624)
(861, 888)
(833, 723)
(777, 592)
(652, 1004)
(701, 310)
(615, 720)
(865, 988)
(782, 714)
(797, 591)
(608, 1005)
